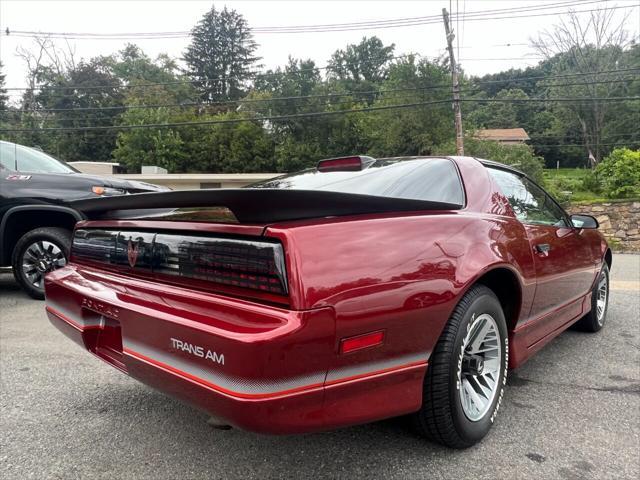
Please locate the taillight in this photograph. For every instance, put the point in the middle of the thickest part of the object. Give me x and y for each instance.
(257, 265)
(251, 264)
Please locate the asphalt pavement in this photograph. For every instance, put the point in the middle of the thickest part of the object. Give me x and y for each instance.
(571, 412)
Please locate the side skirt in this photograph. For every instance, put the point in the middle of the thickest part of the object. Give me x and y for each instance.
(522, 346)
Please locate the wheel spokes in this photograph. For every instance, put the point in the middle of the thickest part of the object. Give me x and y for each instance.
(601, 298)
(481, 365)
(39, 258)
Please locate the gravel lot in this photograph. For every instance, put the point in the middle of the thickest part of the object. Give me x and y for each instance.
(572, 412)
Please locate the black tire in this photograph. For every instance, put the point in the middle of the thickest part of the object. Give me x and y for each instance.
(59, 237)
(442, 417)
(593, 321)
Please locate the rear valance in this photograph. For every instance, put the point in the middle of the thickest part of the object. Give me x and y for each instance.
(256, 205)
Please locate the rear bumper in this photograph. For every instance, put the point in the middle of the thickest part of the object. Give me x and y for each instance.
(260, 368)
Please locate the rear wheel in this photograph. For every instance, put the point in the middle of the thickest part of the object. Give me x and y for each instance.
(594, 320)
(38, 252)
(467, 372)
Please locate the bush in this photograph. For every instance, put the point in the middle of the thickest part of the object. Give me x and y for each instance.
(572, 184)
(591, 182)
(619, 173)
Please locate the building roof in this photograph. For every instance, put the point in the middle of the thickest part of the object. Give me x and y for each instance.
(503, 134)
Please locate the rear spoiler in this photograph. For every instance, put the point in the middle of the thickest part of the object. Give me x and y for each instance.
(254, 205)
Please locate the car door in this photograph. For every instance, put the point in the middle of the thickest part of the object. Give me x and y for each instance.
(563, 260)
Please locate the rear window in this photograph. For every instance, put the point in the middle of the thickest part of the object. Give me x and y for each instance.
(432, 179)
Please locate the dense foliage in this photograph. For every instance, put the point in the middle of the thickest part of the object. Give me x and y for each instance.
(3, 92)
(619, 173)
(289, 117)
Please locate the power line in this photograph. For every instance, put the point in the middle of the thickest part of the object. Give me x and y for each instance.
(417, 22)
(495, 14)
(457, 29)
(269, 118)
(500, 59)
(202, 80)
(633, 138)
(437, 17)
(583, 146)
(612, 135)
(544, 100)
(273, 118)
(564, 75)
(239, 101)
(473, 88)
(283, 73)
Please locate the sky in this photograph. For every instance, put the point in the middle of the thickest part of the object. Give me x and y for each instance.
(484, 46)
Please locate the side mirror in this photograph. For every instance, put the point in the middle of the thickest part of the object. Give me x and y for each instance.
(584, 221)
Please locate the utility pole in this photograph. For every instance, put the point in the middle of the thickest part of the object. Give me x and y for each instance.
(456, 86)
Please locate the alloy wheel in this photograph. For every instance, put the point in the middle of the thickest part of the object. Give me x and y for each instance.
(602, 297)
(480, 369)
(39, 258)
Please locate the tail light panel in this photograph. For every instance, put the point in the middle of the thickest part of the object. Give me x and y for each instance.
(235, 262)
(251, 264)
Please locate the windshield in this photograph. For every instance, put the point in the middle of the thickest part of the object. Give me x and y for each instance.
(433, 179)
(18, 158)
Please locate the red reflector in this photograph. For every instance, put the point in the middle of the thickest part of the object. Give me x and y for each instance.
(344, 164)
(361, 341)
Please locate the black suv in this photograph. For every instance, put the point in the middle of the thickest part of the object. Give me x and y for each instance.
(35, 222)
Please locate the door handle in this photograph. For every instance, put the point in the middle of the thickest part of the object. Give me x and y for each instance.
(543, 248)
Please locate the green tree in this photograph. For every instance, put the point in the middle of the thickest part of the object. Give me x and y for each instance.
(415, 130)
(235, 147)
(163, 147)
(133, 67)
(7, 115)
(586, 46)
(69, 99)
(300, 142)
(221, 55)
(360, 68)
(366, 61)
(3, 92)
(298, 78)
(500, 115)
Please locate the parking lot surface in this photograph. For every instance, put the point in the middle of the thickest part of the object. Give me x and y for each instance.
(571, 412)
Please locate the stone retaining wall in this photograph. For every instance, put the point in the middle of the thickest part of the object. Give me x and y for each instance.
(619, 222)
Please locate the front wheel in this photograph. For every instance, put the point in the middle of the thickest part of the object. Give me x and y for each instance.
(467, 372)
(594, 320)
(37, 252)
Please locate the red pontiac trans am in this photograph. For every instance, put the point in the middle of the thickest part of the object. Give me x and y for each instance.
(355, 291)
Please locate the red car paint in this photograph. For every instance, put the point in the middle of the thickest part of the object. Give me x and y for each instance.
(384, 283)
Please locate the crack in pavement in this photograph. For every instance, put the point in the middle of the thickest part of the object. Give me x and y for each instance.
(633, 388)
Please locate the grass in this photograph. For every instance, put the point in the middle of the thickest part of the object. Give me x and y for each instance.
(567, 186)
(571, 180)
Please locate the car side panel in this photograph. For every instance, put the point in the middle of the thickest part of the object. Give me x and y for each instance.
(402, 275)
(531, 336)
(564, 274)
